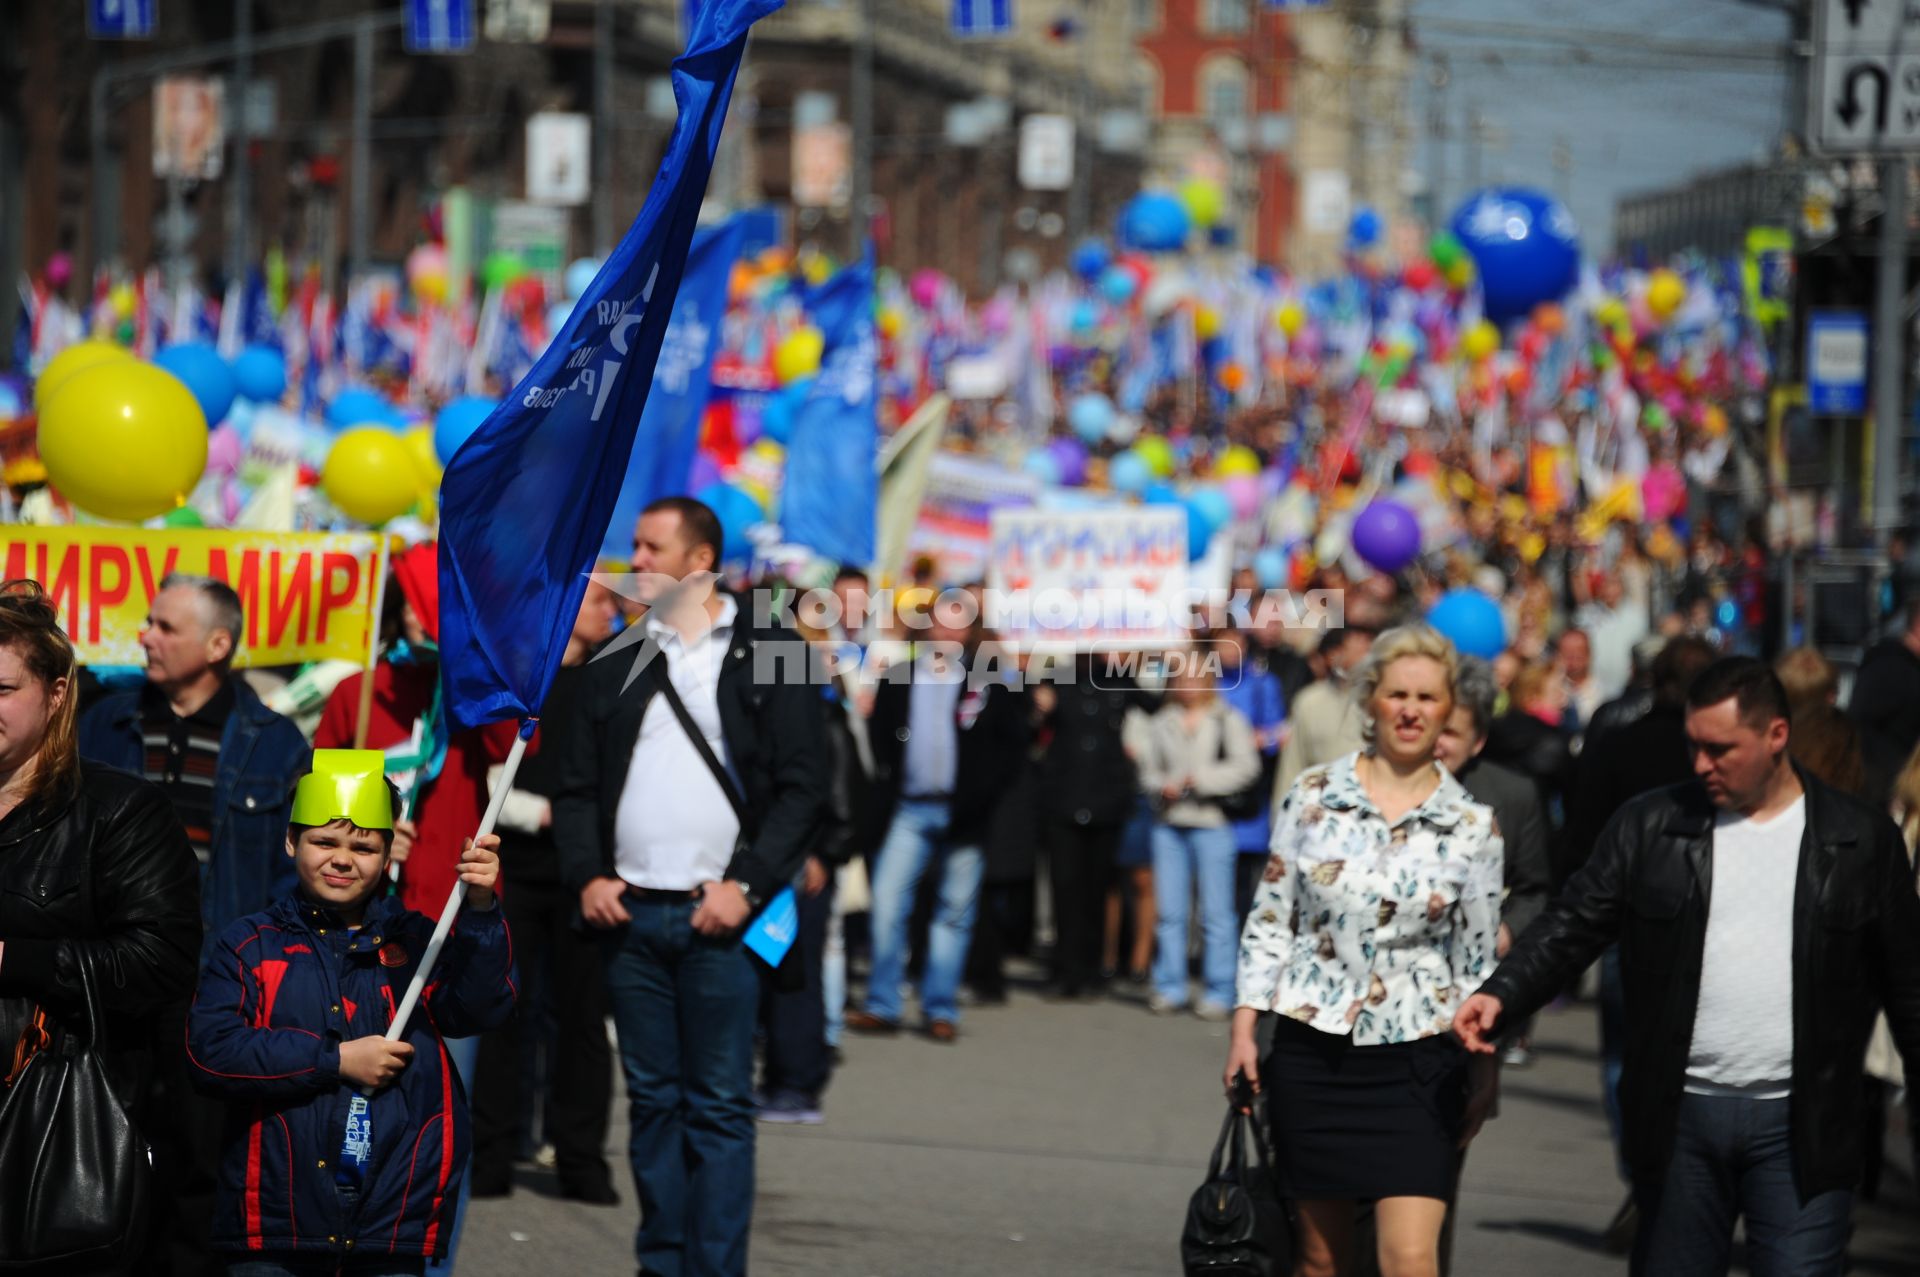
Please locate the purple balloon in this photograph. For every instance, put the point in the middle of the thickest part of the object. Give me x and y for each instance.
(1387, 535)
(705, 471)
(1070, 456)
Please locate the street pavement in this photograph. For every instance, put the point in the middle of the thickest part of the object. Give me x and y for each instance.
(1067, 1138)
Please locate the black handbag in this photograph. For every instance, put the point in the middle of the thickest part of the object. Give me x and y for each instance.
(73, 1168)
(1237, 1224)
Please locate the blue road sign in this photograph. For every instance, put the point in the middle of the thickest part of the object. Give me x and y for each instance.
(121, 19)
(1837, 345)
(439, 26)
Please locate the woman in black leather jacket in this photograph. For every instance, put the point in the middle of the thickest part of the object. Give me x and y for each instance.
(93, 864)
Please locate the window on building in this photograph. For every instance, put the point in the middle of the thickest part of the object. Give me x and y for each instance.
(1143, 15)
(1224, 91)
(1225, 15)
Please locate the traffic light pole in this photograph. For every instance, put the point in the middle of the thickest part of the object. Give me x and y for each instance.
(1889, 342)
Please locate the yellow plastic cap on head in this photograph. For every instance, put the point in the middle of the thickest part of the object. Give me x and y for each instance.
(345, 784)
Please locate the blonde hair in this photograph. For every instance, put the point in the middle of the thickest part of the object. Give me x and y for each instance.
(30, 626)
(1808, 677)
(1399, 644)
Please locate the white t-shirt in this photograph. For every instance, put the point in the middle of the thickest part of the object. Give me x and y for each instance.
(1743, 1026)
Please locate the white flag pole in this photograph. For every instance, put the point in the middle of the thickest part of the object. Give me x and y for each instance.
(498, 799)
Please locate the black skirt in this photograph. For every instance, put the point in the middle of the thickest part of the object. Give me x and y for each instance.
(1364, 1122)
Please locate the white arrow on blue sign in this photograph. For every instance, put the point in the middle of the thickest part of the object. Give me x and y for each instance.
(121, 19)
(439, 26)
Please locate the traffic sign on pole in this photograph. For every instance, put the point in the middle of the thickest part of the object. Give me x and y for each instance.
(439, 26)
(121, 19)
(1837, 362)
(1866, 76)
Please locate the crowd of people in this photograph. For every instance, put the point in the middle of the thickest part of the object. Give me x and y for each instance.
(1395, 848)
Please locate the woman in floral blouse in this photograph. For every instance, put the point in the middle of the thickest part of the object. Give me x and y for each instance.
(1377, 915)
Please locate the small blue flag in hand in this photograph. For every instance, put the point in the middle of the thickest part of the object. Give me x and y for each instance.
(526, 500)
(832, 490)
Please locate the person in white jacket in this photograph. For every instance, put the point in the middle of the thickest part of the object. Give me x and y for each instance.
(1192, 753)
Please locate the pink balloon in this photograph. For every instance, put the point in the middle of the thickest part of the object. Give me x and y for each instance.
(1663, 492)
(231, 501)
(1243, 494)
(924, 288)
(59, 270)
(223, 449)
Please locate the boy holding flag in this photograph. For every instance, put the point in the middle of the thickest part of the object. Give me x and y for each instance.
(349, 1148)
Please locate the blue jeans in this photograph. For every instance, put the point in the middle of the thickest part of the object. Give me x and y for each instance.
(915, 839)
(1732, 1157)
(1613, 1047)
(1184, 858)
(684, 1007)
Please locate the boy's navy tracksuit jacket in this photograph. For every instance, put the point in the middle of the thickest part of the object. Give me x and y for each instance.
(281, 991)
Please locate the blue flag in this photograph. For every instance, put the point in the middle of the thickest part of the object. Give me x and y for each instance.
(669, 435)
(832, 489)
(526, 499)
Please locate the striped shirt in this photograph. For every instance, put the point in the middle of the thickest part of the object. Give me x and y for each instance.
(181, 755)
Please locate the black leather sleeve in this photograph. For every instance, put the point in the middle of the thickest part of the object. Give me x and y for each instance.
(1529, 871)
(146, 899)
(1574, 930)
(574, 739)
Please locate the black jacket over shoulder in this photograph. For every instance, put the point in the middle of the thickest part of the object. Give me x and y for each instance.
(1086, 777)
(992, 723)
(771, 721)
(105, 875)
(1856, 949)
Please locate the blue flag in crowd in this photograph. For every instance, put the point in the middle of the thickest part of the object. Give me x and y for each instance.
(832, 490)
(669, 435)
(982, 17)
(526, 500)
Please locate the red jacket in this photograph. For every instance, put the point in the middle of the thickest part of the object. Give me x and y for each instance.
(449, 808)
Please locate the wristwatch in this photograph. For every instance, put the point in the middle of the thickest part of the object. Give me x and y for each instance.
(747, 893)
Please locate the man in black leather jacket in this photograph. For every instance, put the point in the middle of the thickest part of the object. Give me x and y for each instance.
(1739, 1095)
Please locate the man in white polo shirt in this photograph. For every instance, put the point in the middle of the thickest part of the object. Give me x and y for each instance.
(656, 848)
(1763, 919)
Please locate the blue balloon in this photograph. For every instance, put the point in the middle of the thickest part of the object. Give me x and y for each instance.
(580, 275)
(778, 414)
(737, 511)
(1086, 315)
(1159, 492)
(1270, 567)
(1042, 466)
(1364, 230)
(1090, 257)
(456, 422)
(1091, 416)
(260, 372)
(357, 405)
(1154, 221)
(1525, 245)
(557, 316)
(1129, 472)
(1118, 285)
(1472, 621)
(206, 374)
(1207, 512)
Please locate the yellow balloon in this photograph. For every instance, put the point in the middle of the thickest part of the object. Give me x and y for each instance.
(768, 451)
(1460, 274)
(1480, 340)
(1206, 323)
(1290, 318)
(82, 354)
(371, 475)
(1203, 201)
(1239, 459)
(798, 354)
(890, 322)
(1665, 292)
(122, 300)
(1611, 313)
(124, 440)
(1157, 453)
(426, 461)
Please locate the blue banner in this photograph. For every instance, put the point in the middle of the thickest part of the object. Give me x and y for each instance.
(439, 26)
(526, 500)
(669, 434)
(982, 17)
(832, 489)
(121, 19)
